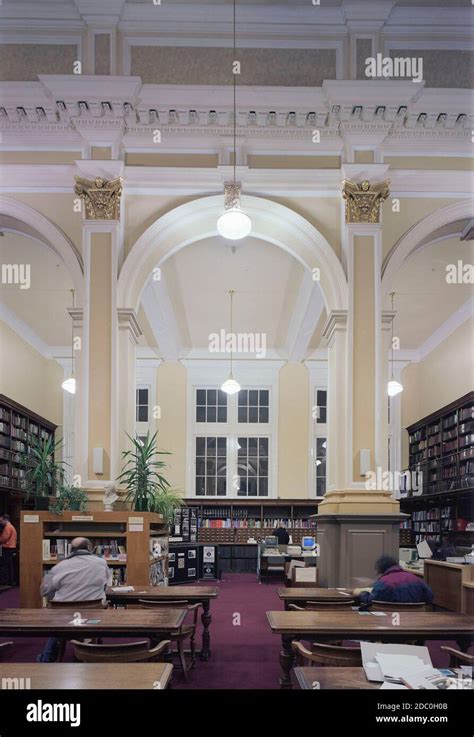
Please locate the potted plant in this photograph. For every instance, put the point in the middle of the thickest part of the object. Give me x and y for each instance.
(71, 498)
(147, 489)
(42, 471)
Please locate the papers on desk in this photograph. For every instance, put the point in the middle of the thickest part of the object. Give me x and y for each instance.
(386, 661)
(124, 589)
(394, 667)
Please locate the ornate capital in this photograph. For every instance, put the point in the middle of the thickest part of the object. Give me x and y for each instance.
(363, 200)
(101, 197)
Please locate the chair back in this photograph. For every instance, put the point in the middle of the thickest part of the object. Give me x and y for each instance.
(331, 655)
(393, 606)
(182, 604)
(129, 652)
(307, 577)
(85, 604)
(323, 606)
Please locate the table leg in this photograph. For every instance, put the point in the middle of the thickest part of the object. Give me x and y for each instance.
(206, 637)
(286, 661)
(464, 643)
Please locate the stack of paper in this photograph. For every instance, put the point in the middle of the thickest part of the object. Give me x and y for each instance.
(397, 667)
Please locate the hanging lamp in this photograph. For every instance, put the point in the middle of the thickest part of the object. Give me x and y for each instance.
(234, 223)
(394, 387)
(231, 386)
(69, 385)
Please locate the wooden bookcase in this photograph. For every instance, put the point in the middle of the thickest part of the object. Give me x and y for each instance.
(134, 530)
(441, 457)
(224, 521)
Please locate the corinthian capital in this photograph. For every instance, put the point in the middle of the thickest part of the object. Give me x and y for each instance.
(101, 197)
(363, 200)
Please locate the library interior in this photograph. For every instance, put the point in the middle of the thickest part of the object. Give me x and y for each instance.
(236, 330)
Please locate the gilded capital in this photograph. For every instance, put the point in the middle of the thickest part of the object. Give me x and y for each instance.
(363, 200)
(101, 197)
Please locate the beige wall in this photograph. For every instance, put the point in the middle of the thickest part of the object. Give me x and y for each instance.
(29, 378)
(171, 393)
(412, 210)
(446, 374)
(293, 431)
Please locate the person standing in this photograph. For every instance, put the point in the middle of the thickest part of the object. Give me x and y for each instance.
(8, 538)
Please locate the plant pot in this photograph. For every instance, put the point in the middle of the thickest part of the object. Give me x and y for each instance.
(75, 507)
(141, 505)
(42, 503)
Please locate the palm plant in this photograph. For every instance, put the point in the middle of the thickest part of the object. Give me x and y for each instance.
(42, 471)
(147, 488)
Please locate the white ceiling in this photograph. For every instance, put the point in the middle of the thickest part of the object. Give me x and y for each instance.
(423, 298)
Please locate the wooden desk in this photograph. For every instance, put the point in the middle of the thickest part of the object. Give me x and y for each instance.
(110, 676)
(111, 622)
(311, 679)
(350, 625)
(296, 595)
(468, 598)
(193, 594)
(446, 581)
(416, 571)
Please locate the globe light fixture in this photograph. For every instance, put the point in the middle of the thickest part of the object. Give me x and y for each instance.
(69, 385)
(394, 387)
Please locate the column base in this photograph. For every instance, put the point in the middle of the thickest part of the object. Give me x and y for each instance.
(354, 528)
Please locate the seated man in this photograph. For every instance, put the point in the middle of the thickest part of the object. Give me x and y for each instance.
(395, 585)
(81, 576)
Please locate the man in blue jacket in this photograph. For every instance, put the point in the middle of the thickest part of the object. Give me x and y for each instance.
(396, 585)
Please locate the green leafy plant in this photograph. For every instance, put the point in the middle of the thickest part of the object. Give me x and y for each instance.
(70, 497)
(43, 473)
(147, 487)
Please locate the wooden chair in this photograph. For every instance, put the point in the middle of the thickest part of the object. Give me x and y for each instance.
(185, 631)
(456, 657)
(389, 606)
(6, 645)
(305, 578)
(76, 606)
(323, 606)
(129, 652)
(331, 655)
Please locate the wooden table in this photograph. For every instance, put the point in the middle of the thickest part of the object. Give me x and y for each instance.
(350, 625)
(446, 580)
(111, 676)
(108, 622)
(312, 679)
(295, 595)
(193, 594)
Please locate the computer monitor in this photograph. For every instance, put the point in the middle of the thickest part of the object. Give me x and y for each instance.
(308, 543)
(271, 542)
(424, 550)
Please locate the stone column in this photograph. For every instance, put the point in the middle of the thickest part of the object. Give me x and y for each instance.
(128, 334)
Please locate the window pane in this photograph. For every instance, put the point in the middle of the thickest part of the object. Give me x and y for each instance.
(200, 488)
(322, 415)
(211, 414)
(142, 414)
(264, 396)
(210, 467)
(201, 396)
(320, 447)
(243, 395)
(221, 446)
(252, 487)
(222, 398)
(221, 486)
(263, 487)
(200, 414)
(263, 467)
(320, 486)
(211, 486)
(222, 414)
(200, 466)
(263, 414)
(242, 414)
(242, 450)
(221, 467)
(321, 395)
(211, 446)
(252, 446)
(253, 414)
(212, 396)
(263, 447)
(200, 446)
(253, 398)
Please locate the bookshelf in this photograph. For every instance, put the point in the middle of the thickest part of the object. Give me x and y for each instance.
(125, 539)
(227, 522)
(441, 460)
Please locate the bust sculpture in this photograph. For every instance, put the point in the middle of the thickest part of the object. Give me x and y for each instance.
(110, 496)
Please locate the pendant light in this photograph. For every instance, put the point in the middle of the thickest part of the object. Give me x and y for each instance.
(231, 386)
(394, 387)
(69, 385)
(234, 223)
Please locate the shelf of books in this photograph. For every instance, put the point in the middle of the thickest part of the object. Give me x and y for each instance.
(226, 522)
(438, 485)
(18, 427)
(134, 545)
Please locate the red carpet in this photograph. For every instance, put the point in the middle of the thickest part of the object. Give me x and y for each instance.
(244, 651)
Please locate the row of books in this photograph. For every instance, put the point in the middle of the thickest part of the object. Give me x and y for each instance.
(60, 548)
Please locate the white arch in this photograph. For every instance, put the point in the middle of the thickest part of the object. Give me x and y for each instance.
(17, 216)
(429, 230)
(196, 220)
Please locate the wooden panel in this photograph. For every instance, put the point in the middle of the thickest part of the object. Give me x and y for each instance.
(468, 598)
(338, 678)
(91, 675)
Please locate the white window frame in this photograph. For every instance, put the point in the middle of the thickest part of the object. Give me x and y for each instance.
(146, 379)
(251, 375)
(318, 374)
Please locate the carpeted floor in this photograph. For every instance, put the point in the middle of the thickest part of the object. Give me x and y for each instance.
(244, 651)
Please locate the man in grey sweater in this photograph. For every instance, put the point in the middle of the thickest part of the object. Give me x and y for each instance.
(82, 576)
